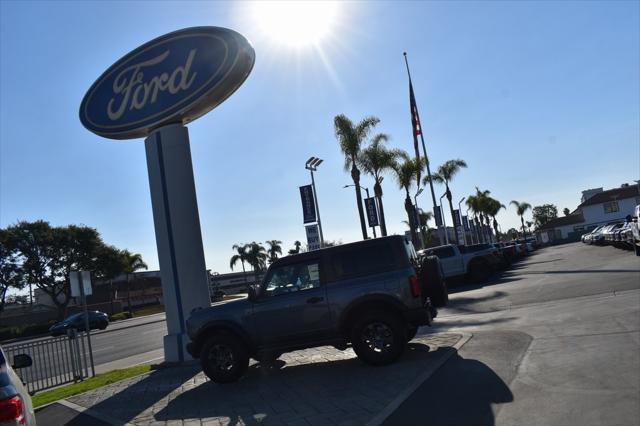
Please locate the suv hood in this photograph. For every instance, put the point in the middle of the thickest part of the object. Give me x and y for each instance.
(228, 310)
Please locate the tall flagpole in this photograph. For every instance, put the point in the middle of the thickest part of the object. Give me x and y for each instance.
(424, 149)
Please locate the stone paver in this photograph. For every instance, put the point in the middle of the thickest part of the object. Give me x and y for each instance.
(309, 387)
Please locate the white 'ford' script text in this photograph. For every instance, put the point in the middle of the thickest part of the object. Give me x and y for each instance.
(131, 91)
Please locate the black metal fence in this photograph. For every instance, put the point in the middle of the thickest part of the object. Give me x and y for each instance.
(56, 360)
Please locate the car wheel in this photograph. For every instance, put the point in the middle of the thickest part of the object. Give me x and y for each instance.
(433, 282)
(379, 338)
(224, 358)
(411, 333)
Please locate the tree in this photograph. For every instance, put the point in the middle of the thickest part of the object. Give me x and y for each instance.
(445, 174)
(543, 214)
(423, 225)
(296, 247)
(375, 160)
(49, 253)
(351, 137)
(109, 265)
(566, 211)
(406, 173)
(529, 224)
(274, 250)
(11, 274)
(521, 209)
(240, 256)
(131, 262)
(493, 207)
(257, 258)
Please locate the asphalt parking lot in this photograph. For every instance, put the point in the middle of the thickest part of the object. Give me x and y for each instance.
(554, 340)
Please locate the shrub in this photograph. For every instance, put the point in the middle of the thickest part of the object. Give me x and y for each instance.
(120, 316)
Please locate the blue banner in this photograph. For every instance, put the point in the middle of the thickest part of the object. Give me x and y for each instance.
(456, 218)
(308, 205)
(372, 211)
(438, 215)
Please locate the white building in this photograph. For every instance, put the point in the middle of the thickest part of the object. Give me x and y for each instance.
(598, 207)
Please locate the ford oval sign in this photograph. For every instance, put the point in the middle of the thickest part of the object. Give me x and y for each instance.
(175, 78)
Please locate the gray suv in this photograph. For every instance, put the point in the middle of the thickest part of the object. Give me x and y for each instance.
(370, 294)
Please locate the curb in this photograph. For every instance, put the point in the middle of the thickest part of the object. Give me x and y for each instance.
(393, 405)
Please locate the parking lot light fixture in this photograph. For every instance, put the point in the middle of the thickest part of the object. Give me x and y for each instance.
(444, 222)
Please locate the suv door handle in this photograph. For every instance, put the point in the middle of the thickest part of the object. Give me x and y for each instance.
(315, 299)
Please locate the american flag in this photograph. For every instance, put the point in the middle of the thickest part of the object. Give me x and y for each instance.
(415, 119)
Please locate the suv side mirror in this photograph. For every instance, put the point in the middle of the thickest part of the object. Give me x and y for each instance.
(21, 361)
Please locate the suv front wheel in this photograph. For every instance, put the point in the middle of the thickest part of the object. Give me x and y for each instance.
(379, 338)
(224, 358)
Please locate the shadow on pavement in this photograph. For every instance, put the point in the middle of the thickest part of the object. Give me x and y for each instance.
(461, 392)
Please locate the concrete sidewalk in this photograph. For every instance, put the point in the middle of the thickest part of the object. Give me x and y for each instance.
(308, 387)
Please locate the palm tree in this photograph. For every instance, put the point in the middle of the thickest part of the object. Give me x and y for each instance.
(351, 138)
(131, 262)
(241, 255)
(493, 207)
(521, 209)
(374, 160)
(424, 218)
(529, 224)
(473, 203)
(297, 244)
(274, 250)
(445, 174)
(406, 173)
(256, 257)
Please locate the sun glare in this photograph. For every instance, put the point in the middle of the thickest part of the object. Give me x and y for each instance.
(296, 23)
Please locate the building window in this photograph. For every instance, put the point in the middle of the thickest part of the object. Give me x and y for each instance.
(611, 207)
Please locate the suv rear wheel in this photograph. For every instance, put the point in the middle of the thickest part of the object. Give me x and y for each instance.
(379, 338)
(224, 358)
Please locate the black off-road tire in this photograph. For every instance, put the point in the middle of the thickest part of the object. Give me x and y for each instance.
(381, 351)
(411, 333)
(433, 282)
(223, 345)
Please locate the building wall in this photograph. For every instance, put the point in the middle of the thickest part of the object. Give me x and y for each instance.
(595, 214)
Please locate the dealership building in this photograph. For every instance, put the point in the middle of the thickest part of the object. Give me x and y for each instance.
(597, 207)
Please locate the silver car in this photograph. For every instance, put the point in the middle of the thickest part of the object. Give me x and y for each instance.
(16, 408)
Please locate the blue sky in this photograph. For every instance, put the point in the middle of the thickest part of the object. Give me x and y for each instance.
(540, 98)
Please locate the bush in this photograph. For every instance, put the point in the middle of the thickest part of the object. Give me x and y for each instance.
(120, 316)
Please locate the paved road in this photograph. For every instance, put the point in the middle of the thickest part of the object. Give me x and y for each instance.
(556, 341)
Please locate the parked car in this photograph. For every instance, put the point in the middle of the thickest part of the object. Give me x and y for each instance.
(97, 320)
(609, 232)
(476, 262)
(597, 235)
(16, 408)
(368, 293)
(635, 229)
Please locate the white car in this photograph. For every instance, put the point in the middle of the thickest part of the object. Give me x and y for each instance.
(16, 408)
(635, 229)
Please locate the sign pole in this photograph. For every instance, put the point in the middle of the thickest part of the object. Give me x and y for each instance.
(315, 199)
(87, 328)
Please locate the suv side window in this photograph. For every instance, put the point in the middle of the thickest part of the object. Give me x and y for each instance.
(294, 277)
(359, 261)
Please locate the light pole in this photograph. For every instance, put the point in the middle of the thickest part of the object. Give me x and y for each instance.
(312, 165)
(464, 234)
(444, 222)
(367, 191)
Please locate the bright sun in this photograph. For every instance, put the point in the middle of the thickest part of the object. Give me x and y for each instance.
(296, 23)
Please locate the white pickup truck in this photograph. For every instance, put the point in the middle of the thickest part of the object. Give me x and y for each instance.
(476, 262)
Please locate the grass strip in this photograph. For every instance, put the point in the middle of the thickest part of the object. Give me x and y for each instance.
(95, 382)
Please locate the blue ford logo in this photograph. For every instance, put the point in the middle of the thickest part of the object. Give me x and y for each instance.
(175, 78)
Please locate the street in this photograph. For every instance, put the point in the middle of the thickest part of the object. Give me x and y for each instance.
(554, 340)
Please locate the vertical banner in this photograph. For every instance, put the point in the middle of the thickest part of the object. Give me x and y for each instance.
(438, 215)
(456, 218)
(308, 205)
(313, 237)
(372, 211)
(465, 222)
